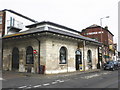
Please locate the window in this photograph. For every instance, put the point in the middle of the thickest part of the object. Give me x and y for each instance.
(89, 56)
(63, 55)
(0, 19)
(29, 55)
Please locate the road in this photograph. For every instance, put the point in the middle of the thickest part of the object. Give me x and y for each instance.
(102, 79)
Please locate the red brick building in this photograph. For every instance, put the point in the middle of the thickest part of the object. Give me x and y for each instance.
(2, 23)
(104, 36)
(98, 33)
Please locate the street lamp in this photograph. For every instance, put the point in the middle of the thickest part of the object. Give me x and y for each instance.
(101, 36)
(101, 25)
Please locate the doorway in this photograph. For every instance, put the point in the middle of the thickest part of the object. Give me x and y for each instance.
(89, 59)
(78, 57)
(15, 59)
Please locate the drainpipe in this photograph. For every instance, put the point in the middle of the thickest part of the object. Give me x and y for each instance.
(38, 55)
(84, 55)
(1, 54)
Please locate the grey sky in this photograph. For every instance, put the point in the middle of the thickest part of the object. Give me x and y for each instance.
(76, 14)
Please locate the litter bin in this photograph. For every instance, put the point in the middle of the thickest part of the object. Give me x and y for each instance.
(42, 69)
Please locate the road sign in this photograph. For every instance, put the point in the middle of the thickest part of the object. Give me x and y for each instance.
(35, 51)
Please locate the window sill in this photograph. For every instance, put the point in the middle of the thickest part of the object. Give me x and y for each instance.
(62, 64)
(29, 64)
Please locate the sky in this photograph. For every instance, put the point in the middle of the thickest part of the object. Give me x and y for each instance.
(76, 14)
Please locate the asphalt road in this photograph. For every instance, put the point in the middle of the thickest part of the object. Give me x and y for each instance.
(102, 79)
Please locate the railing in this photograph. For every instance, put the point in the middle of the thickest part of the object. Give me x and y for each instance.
(15, 23)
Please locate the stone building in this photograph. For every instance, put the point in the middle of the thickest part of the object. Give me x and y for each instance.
(49, 48)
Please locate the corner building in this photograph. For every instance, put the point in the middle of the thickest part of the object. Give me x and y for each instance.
(49, 48)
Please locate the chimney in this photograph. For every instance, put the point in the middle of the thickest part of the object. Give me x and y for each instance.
(106, 27)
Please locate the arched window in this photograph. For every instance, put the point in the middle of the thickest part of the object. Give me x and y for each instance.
(89, 56)
(63, 55)
(29, 55)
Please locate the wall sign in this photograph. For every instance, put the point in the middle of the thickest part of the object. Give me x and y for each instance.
(35, 51)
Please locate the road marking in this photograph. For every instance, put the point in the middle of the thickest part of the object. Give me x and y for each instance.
(88, 77)
(106, 73)
(1, 79)
(54, 82)
(22, 87)
(28, 87)
(61, 81)
(37, 86)
(58, 80)
(46, 84)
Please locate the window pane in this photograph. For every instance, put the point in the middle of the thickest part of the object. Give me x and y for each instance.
(29, 55)
(63, 55)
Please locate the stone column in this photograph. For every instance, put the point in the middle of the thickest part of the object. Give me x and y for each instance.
(21, 60)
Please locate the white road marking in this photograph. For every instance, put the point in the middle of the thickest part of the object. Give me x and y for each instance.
(106, 73)
(54, 82)
(1, 79)
(46, 84)
(22, 87)
(28, 87)
(58, 80)
(37, 86)
(88, 77)
(61, 81)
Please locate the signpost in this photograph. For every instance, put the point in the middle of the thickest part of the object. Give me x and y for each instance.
(35, 51)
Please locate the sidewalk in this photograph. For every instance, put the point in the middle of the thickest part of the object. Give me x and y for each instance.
(11, 74)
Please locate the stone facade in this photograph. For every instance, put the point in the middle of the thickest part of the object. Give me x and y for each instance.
(49, 54)
(49, 48)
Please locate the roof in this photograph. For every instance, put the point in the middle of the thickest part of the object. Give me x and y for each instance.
(19, 15)
(51, 30)
(51, 23)
(97, 26)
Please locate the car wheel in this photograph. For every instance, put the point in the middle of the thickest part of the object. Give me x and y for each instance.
(113, 69)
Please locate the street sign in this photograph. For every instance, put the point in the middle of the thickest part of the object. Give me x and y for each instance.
(80, 67)
(35, 51)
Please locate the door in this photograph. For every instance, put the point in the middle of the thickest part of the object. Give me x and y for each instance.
(15, 59)
(78, 59)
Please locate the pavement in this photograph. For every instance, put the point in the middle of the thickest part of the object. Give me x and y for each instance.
(12, 74)
(93, 78)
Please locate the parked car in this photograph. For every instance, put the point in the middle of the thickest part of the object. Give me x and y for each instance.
(118, 63)
(111, 65)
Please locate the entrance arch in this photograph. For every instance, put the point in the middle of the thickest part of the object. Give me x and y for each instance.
(78, 57)
(89, 59)
(15, 58)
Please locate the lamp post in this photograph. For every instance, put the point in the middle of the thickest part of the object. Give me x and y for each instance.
(102, 38)
(101, 25)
